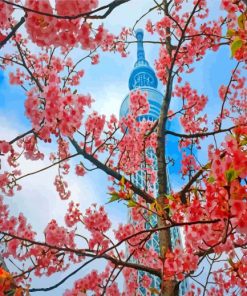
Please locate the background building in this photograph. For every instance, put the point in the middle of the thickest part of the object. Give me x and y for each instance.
(143, 78)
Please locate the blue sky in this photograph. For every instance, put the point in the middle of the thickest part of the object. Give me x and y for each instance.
(108, 84)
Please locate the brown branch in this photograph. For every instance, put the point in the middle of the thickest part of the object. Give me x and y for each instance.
(145, 14)
(198, 135)
(63, 280)
(88, 15)
(117, 262)
(109, 258)
(189, 184)
(46, 168)
(91, 253)
(13, 31)
(76, 64)
(227, 90)
(152, 129)
(27, 68)
(148, 198)
(21, 136)
(194, 179)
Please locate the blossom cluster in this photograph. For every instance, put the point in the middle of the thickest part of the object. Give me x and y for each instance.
(197, 36)
(64, 25)
(68, 110)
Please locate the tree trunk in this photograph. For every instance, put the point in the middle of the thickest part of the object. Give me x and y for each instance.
(170, 289)
(167, 287)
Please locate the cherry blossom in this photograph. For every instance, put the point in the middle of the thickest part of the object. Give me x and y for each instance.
(209, 207)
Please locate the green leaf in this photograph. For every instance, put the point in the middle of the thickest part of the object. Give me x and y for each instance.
(231, 175)
(122, 181)
(243, 142)
(236, 44)
(211, 179)
(170, 197)
(230, 33)
(131, 203)
(241, 21)
(207, 166)
(231, 262)
(114, 197)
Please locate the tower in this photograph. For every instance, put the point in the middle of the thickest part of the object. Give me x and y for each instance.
(143, 78)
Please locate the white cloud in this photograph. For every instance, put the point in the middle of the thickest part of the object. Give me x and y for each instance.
(109, 100)
(38, 199)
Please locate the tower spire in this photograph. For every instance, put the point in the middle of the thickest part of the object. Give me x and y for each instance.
(140, 48)
(142, 75)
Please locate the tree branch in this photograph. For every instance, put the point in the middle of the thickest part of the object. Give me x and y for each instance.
(198, 135)
(90, 253)
(13, 31)
(88, 15)
(226, 92)
(21, 136)
(148, 198)
(187, 186)
(47, 167)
